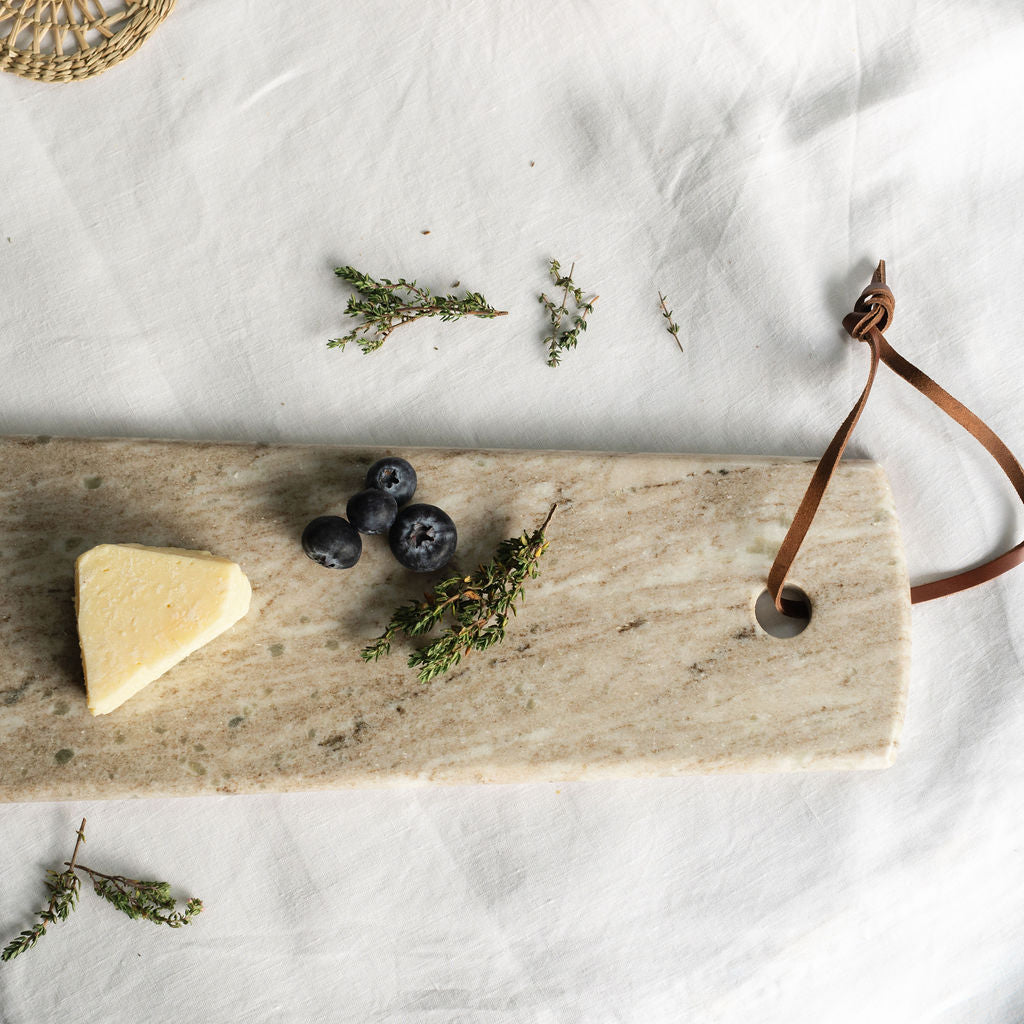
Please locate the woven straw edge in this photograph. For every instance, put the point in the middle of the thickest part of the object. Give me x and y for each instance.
(49, 67)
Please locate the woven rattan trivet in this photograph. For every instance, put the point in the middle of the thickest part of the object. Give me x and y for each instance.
(64, 40)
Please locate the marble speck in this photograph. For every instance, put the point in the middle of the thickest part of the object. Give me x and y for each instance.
(636, 657)
(14, 695)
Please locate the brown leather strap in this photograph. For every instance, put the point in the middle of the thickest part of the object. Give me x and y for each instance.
(872, 314)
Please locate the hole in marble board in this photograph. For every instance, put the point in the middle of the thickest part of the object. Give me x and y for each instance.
(774, 623)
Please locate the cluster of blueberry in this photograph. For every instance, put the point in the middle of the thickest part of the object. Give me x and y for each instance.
(422, 537)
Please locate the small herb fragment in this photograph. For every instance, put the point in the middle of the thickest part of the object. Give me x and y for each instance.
(132, 896)
(561, 340)
(673, 328)
(386, 305)
(480, 605)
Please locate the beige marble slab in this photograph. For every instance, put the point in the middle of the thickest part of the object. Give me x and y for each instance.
(636, 652)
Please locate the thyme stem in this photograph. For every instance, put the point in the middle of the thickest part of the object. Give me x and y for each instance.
(78, 843)
(565, 294)
(673, 328)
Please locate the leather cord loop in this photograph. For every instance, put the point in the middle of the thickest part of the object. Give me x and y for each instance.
(872, 314)
(874, 309)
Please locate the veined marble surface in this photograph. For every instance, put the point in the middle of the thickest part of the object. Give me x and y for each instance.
(636, 651)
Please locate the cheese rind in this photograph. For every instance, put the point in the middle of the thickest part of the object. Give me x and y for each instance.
(141, 610)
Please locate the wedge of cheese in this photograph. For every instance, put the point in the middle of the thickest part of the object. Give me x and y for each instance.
(141, 610)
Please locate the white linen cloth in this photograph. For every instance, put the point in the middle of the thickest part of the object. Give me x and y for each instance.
(168, 233)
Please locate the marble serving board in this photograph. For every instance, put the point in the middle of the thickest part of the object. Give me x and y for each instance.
(635, 653)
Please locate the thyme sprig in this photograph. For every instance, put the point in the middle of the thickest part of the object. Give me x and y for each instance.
(138, 898)
(672, 328)
(561, 339)
(132, 896)
(479, 606)
(387, 305)
(64, 888)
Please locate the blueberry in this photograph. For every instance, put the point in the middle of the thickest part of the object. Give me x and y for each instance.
(332, 542)
(393, 476)
(371, 511)
(423, 538)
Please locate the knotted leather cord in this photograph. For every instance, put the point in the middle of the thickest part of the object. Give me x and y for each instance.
(872, 314)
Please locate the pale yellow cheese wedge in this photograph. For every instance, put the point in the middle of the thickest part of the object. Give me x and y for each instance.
(141, 610)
